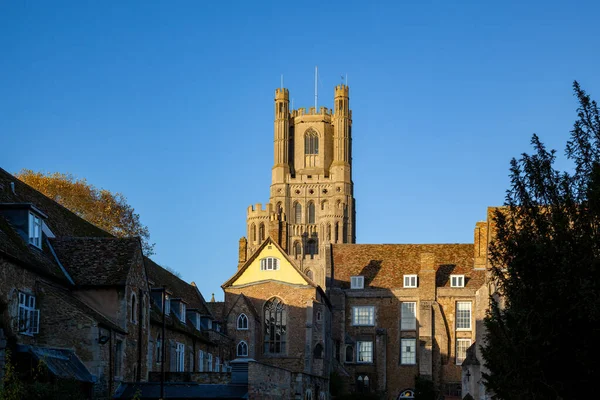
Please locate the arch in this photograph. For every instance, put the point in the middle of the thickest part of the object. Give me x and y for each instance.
(309, 273)
(242, 322)
(349, 353)
(275, 326)
(242, 349)
(297, 213)
(318, 352)
(278, 207)
(310, 210)
(406, 394)
(311, 247)
(297, 249)
(253, 232)
(363, 384)
(133, 308)
(261, 232)
(323, 205)
(329, 232)
(311, 142)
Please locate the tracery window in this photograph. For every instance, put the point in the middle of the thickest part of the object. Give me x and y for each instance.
(298, 213)
(242, 349)
(242, 322)
(311, 142)
(275, 329)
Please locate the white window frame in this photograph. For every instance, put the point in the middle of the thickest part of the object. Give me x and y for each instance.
(363, 316)
(180, 357)
(411, 281)
(217, 364)
(408, 351)
(269, 264)
(182, 310)
(35, 230)
(240, 321)
(463, 324)
(167, 306)
(408, 316)
(457, 281)
(237, 349)
(357, 282)
(461, 350)
(364, 352)
(210, 362)
(201, 361)
(29, 316)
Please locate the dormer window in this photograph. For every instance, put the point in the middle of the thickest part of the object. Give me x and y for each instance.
(457, 281)
(182, 312)
(269, 264)
(167, 305)
(410, 281)
(35, 230)
(357, 282)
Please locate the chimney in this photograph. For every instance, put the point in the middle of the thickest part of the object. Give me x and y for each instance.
(243, 250)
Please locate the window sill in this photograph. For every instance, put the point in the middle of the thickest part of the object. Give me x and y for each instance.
(463, 329)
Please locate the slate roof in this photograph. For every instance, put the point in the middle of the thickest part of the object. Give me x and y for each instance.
(60, 220)
(61, 363)
(383, 265)
(177, 286)
(216, 309)
(97, 261)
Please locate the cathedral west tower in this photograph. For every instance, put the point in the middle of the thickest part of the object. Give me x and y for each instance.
(311, 202)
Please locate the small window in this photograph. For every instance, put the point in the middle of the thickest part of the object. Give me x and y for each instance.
(269, 264)
(210, 362)
(408, 320)
(201, 361)
(35, 230)
(363, 316)
(182, 314)
(180, 358)
(217, 364)
(319, 316)
(457, 281)
(261, 232)
(362, 384)
(461, 350)
(242, 349)
(29, 317)
(318, 352)
(364, 352)
(357, 282)
(463, 315)
(133, 308)
(242, 322)
(349, 354)
(408, 353)
(410, 281)
(167, 305)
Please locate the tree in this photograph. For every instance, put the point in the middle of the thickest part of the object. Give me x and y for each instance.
(109, 211)
(544, 325)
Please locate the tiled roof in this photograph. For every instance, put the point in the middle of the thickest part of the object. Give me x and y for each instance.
(177, 286)
(216, 309)
(97, 261)
(383, 265)
(60, 220)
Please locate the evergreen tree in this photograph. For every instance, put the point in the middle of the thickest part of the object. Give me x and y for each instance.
(544, 325)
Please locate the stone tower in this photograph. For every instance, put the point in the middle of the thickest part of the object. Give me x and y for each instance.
(311, 202)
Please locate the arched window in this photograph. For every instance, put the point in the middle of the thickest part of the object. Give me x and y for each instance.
(323, 205)
(329, 232)
(261, 232)
(337, 232)
(308, 395)
(297, 250)
(275, 326)
(242, 349)
(362, 384)
(133, 308)
(309, 273)
(278, 208)
(311, 142)
(349, 353)
(298, 213)
(311, 247)
(253, 232)
(318, 353)
(242, 322)
(269, 264)
(310, 209)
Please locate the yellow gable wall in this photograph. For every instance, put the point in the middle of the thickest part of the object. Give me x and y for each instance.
(285, 273)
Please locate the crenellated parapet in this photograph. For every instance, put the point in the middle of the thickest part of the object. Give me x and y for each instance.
(257, 211)
(311, 111)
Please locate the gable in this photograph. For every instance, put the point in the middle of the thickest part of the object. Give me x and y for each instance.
(286, 273)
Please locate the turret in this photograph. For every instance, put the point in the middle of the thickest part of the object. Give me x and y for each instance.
(282, 135)
(342, 140)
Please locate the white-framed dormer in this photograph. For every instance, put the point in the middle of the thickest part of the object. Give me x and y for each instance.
(411, 281)
(357, 282)
(457, 281)
(35, 229)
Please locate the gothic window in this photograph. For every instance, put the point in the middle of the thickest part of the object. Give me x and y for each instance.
(279, 208)
(349, 354)
(242, 322)
(133, 308)
(311, 247)
(329, 232)
(275, 326)
(242, 349)
(297, 250)
(318, 353)
(323, 204)
(253, 232)
(362, 384)
(298, 213)
(311, 212)
(311, 142)
(261, 232)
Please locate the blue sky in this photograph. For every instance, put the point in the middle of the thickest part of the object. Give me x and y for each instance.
(170, 103)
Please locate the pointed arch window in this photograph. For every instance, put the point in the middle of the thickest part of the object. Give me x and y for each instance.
(275, 328)
(329, 232)
(298, 213)
(311, 142)
(253, 232)
(311, 247)
(261, 232)
(242, 349)
(133, 308)
(242, 322)
(310, 209)
(323, 205)
(297, 250)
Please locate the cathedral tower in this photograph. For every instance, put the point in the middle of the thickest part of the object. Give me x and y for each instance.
(311, 203)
